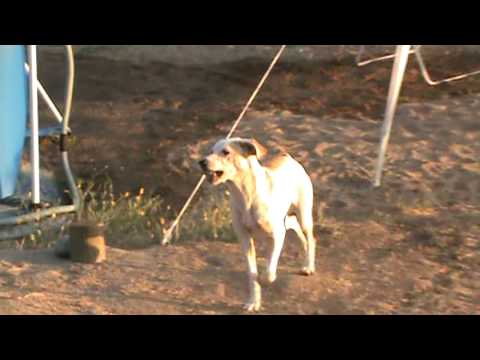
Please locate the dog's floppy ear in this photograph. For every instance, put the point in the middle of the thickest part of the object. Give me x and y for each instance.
(261, 150)
(247, 148)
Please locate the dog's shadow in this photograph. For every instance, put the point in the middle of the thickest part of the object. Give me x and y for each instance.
(236, 283)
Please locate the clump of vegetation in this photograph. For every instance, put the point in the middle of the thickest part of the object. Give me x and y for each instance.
(136, 220)
(140, 220)
(209, 218)
(131, 220)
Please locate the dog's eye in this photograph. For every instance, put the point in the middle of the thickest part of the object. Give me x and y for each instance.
(226, 152)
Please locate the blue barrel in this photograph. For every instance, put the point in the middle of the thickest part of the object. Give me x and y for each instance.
(13, 115)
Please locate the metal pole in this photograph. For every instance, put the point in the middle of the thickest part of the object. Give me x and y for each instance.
(399, 67)
(47, 99)
(361, 62)
(426, 74)
(34, 140)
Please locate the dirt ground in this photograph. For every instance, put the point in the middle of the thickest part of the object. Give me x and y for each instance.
(410, 247)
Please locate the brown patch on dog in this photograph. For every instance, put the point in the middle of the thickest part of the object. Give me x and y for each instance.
(251, 147)
(272, 157)
(261, 150)
(274, 161)
(245, 148)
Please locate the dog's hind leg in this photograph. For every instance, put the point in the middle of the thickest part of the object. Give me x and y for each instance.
(276, 250)
(291, 223)
(305, 218)
(306, 223)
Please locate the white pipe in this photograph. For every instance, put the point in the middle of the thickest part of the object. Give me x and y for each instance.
(361, 62)
(426, 74)
(399, 67)
(47, 98)
(423, 68)
(34, 140)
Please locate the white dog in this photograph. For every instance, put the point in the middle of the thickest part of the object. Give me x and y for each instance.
(270, 194)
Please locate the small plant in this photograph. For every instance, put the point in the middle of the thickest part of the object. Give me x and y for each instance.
(136, 220)
(209, 219)
(131, 220)
(140, 220)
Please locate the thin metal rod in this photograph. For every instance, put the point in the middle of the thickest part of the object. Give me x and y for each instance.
(34, 140)
(399, 68)
(428, 78)
(421, 62)
(167, 237)
(257, 90)
(47, 99)
(361, 62)
(168, 234)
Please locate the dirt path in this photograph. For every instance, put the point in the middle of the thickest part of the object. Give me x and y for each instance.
(411, 247)
(208, 278)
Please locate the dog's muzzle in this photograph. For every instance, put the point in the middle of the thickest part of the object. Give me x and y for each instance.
(212, 175)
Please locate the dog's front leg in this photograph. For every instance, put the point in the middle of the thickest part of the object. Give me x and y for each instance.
(255, 292)
(248, 247)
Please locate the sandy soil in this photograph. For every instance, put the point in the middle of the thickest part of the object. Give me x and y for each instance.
(411, 247)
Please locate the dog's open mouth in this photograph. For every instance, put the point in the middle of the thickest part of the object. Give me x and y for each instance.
(213, 176)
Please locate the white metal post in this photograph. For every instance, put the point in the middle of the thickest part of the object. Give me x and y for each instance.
(47, 98)
(399, 67)
(34, 140)
(361, 62)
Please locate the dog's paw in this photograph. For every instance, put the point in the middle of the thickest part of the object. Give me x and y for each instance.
(270, 278)
(307, 271)
(252, 306)
(267, 279)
